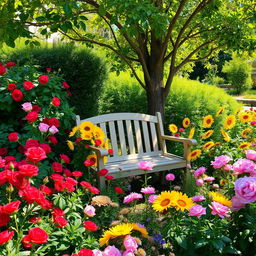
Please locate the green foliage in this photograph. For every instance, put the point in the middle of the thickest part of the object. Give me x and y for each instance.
(239, 74)
(83, 70)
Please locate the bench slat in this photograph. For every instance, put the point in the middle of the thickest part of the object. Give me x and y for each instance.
(130, 137)
(138, 137)
(113, 138)
(103, 127)
(154, 136)
(146, 136)
(122, 137)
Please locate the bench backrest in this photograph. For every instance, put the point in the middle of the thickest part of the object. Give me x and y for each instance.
(131, 135)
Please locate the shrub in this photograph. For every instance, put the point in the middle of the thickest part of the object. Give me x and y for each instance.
(82, 69)
(239, 74)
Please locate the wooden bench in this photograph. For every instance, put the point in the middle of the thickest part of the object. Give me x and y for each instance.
(136, 137)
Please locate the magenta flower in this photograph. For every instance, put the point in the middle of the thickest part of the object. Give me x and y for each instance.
(220, 161)
(130, 243)
(53, 129)
(111, 251)
(236, 203)
(27, 106)
(228, 167)
(131, 197)
(198, 198)
(43, 127)
(219, 209)
(244, 166)
(128, 253)
(148, 190)
(245, 189)
(251, 154)
(197, 210)
(170, 176)
(145, 165)
(200, 171)
(199, 182)
(152, 198)
(209, 179)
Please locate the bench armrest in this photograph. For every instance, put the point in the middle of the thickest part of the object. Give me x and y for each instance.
(190, 142)
(99, 151)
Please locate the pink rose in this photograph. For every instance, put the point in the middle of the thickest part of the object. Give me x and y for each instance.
(251, 154)
(53, 129)
(236, 204)
(43, 127)
(199, 182)
(111, 251)
(89, 210)
(219, 209)
(145, 165)
(245, 189)
(130, 243)
(220, 161)
(27, 106)
(244, 166)
(170, 176)
(198, 198)
(197, 210)
(200, 171)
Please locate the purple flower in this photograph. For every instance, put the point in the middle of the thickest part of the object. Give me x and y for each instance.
(220, 161)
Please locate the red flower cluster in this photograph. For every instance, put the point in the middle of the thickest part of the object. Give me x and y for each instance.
(5, 236)
(58, 217)
(62, 183)
(89, 187)
(34, 236)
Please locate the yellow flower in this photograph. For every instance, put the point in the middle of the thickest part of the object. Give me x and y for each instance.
(219, 112)
(244, 145)
(142, 230)
(207, 134)
(217, 144)
(208, 121)
(70, 145)
(86, 135)
(230, 122)
(191, 133)
(220, 198)
(225, 135)
(182, 202)
(194, 154)
(92, 158)
(173, 128)
(74, 130)
(86, 126)
(186, 122)
(164, 201)
(245, 117)
(208, 145)
(246, 132)
(98, 133)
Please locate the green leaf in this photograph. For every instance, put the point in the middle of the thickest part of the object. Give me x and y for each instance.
(102, 10)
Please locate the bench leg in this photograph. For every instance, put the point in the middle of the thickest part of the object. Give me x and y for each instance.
(101, 183)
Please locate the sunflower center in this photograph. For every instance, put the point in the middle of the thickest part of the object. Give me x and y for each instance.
(181, 203)
(165, 202)
(87, 128)
(208, 121)
(229, 122)
(246, 117)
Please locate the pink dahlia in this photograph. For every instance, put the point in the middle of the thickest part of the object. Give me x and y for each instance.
(236, 203)
(131, 197)
(220, 161)
(145, 165)
(198, 198)
(219, 209)
(200, 171)
(244, 166)
(251, 154)
(148, 190)
(197, 210)
(170, 176)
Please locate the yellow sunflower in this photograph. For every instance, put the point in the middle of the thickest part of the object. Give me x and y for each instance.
(220, 198)
(86, 126)
(208, 145)
(217, 144)
(253, 116)
(225, 135)
(70, 145)
(164, 201)
(245, 117)
(186, 122)
(208, 121)
(230, 122)
(219, 112)
(182, 201)
(98, 133)
(245, 145)
(207, 134)
(173, 128)
(116, 231)
(246, 132)
(191, 133)
(143, 231)
(74, 130)
(86, 135)
(194, 154)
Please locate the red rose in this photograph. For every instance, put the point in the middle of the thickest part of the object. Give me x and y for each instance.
(77, 174)
(60, 221)
(4, 219)
(35, 154)
(46, 190)
(90, 225)
(13, 136)
(37, 236)
(5, 236)
(65, 158)
(78, 140)
(2, 70)
(67, 172)
(35, 220)
(18, 180)
(28, 85)
(69, 93)
(54, 121)
(45, 121)
(10, 207)
(109, 177)
(17, 95)
(119, 190)
(52, 139)
(28, 170)
(85, 184)
(65, 85)
(31, 116)
(94, 190)
(89, 163)
(85, 252)
(49, 69)
(110, 151)
(2, 162)
(11, 86)
(46, 147)
(58, 212)
(9, 158)
(57, 167)
(36, 108)
(3, 151)
(32, 143)
(102, 172)
(45, 204)
(31, 194)
(10, 64)
(26, 242)
(43, 79)
(56, 101)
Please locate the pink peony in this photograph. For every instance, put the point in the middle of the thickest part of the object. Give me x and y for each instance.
(27, 106)
(209, 179)
(245, 189)
(89, 210)
(219, 209)
(111, 251)
(131, 197)
(145, 165)
(199, 182)
(43, 127)
(197, 210)
(244, 166)
(130, 243)
(236, 204)
(220, 161)
(170, 176)
(152, 198)
(228, 167)
(53, 129)
(198, 198)
(251, 154)
(128, 253)
(200, 171)
(148, 190)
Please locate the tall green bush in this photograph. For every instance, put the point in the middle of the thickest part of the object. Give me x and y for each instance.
(239, 74)
(83, 70)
